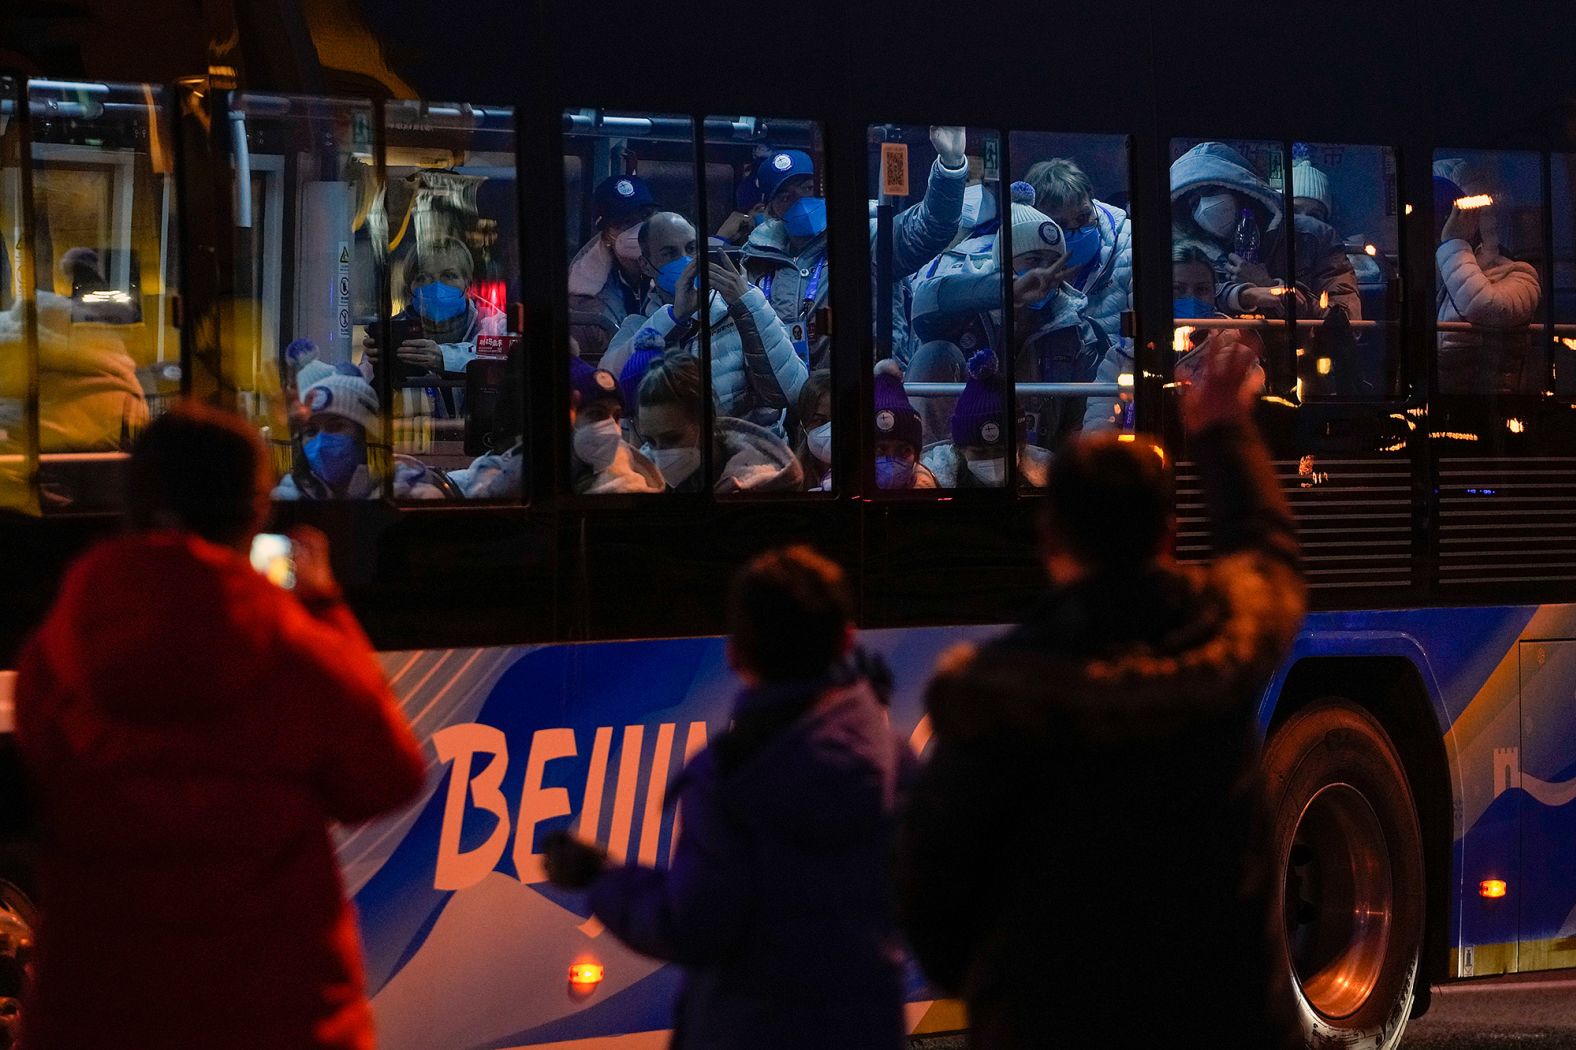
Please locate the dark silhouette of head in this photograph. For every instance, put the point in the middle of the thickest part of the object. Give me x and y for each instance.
(1108, 504)
(201, 470)
(790, 615)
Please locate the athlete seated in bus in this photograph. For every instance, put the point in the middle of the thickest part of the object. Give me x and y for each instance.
(1497, 295)
(746, 456)
(603, 462)
(1218, 200)
(813, 449)
(755, 373)
(1099, 239)
(899, 435)
(341, 417)
(779, 900)
(976, 455)
(606, 283)
(440, 323)
(957, 310)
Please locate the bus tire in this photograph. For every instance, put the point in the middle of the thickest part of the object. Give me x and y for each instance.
(1348, 870)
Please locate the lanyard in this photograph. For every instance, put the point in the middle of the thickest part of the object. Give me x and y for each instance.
(810, 291)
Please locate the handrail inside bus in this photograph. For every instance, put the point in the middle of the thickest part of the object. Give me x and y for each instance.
(1217, 323)
(1026, 389)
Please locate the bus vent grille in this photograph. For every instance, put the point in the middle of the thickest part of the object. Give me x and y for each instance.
(1354, 519)
(1507, 520)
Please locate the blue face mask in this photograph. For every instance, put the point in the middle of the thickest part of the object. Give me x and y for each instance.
(1083, 244)
(668, 276)
(894, 473)
(334, 458)
(438, 301)
(1189, 306)
(1043, 301)
(806, 217)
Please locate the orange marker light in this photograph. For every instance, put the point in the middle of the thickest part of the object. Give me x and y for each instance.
(1474, 200)
(1492, 888)
(585, 975)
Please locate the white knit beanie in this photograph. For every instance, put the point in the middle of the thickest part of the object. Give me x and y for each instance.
(310, 373)
(1308, 181)
(1032, 229)
(349, 397)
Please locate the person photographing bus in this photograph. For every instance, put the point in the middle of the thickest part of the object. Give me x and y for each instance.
(779, 901)
(190, 731)
(1085, 853)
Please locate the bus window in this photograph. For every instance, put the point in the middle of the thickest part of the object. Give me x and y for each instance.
(770, 290)
(629, 183)
(1563, 271)
(941, 401)
(18, 458)
(1488, 215)
(1230, 256)
(310, 231)
(103, 253)
(456, 374)
(1074, 333)
(1348, 264)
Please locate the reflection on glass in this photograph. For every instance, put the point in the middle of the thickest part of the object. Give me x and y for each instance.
(454, 367)
(1563, 345)
(935, 193)
(1488, 213)
(629, 180)
(17, 456)
(103, 232)
(309, 243)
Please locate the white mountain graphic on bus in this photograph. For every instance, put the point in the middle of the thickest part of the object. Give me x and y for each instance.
(1508, 774)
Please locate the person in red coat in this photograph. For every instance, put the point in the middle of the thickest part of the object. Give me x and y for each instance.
(190, 731)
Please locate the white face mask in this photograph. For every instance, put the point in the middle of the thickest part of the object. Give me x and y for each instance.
(819, 441)
(597, 443)
(990, 471)
(979, 207)
(676, 464)
(1217, 213)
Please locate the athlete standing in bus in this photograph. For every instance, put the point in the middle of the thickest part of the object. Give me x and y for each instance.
(1085, 859)
(190, 731)
(779, 901)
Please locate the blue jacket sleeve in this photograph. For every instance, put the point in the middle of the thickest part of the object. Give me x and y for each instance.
(924, 231)
(941, 302)
(693, 912)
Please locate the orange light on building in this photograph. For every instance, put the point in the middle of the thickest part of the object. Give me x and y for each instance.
(586, 975)
(1492, 888)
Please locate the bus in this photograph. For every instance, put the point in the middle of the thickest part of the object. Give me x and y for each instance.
(246, 206)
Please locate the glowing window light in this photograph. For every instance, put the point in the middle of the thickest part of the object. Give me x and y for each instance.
(1515, 426)
(1125, 379)
(1371, 249)
(1492, 888)
(1474, 200)
(1322, 366)
(1180, 339)
(1409, 209)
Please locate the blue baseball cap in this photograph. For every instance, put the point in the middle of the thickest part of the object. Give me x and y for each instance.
(778, 167)
(619, 198)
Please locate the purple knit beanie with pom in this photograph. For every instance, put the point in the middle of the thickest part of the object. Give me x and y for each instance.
(895, 417)
(648, 348)
(978, 417)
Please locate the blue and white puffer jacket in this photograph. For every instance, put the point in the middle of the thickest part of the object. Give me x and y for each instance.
(1110, 286)
(730, 381)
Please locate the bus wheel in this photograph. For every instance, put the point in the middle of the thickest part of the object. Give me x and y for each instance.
(1349, 871)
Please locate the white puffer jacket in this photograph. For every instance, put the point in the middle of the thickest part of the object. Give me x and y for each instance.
(1110, 287)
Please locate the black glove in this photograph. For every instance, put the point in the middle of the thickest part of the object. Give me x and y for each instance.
(570, 863)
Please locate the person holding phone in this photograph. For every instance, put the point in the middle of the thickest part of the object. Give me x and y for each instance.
(755, 372)
(190, 732)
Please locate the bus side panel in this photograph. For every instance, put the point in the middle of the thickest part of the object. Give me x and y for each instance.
(1541, 777)
(454, 905)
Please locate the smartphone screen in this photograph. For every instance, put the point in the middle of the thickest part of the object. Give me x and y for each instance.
(273, 556)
